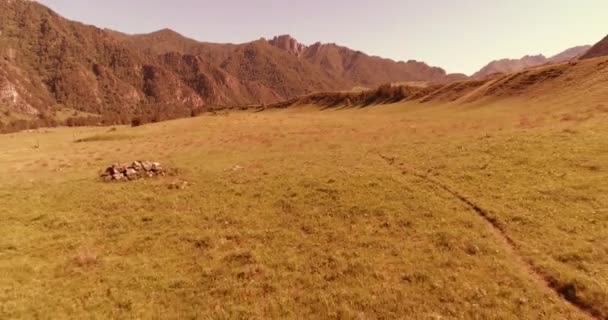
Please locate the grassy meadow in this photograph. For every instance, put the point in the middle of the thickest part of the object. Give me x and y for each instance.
(404, 211)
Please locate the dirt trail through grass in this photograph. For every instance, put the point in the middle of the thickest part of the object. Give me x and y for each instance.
(543, 281)
(312, 223)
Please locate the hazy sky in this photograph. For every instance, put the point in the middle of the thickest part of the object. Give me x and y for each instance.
(458, 35)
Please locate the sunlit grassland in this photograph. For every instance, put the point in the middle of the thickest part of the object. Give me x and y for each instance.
(295, 214)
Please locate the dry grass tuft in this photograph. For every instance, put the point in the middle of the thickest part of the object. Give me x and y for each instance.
(86, 258)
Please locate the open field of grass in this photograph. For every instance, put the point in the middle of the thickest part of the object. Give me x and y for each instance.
(396, 212)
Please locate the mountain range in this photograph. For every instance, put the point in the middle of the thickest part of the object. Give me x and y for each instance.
(514, 65)
(49, 63)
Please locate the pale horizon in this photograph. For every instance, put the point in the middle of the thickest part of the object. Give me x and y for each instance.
(458, 37)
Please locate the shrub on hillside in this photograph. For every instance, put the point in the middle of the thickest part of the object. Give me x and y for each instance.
(136, 122)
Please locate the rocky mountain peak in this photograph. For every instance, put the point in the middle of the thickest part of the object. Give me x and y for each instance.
(289, 44)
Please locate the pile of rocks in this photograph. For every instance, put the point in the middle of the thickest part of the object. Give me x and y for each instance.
(133, 171)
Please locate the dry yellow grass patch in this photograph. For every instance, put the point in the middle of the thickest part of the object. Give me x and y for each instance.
(308, 214)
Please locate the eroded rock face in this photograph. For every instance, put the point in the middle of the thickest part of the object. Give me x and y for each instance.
(10, 97)
(289, 44)
(134, 171)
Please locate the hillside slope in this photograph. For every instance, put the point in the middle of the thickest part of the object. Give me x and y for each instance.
(576, 86)
(369, 71)
(515, 65)
(575, 81)
(335, 66)
(48, 63)
(570, 54)
(598, 50)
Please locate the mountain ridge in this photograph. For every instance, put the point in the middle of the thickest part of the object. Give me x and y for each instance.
(316, 54)
(528, 61)
(48, 63)
(598, 50)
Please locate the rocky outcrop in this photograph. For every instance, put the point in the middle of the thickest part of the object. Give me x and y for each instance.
(10, 97)
(289, 44)
(134, 171)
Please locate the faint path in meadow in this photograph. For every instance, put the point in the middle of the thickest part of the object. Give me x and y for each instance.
(543, 281)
